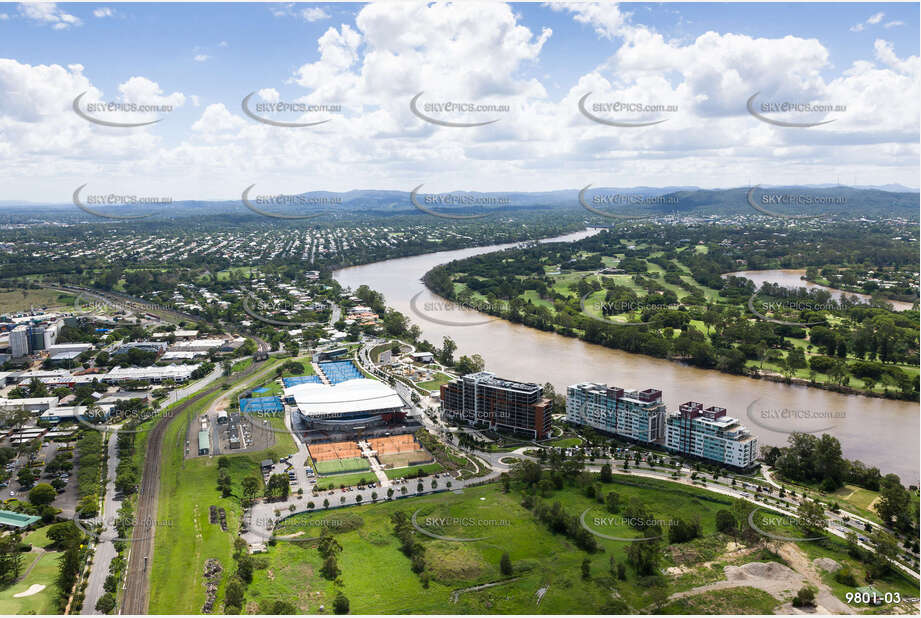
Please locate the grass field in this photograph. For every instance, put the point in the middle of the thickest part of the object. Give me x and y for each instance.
(398, 473)
(401, 460)
(542, 561)
(12, 301)
(346, 480)
(434, 385)
(741, 600)
(341, 466)
(541, 558)
(43, 573)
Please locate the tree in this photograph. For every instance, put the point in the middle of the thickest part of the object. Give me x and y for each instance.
(283, 608)
(446, 353)
(606, 476)
(233, 595)
(330, 567)
(42, 494)
(644, 556)
(341, 604)
(106, 603)
(250, 487)
(811, 517)
(63, 534)
(278, 486)
(725, 522)
(894, 506)
(10, 559)
(586, 568)
(505, 564)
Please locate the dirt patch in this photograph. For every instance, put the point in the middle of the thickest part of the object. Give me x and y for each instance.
(778, 580)
(826, 601)
(826, 564)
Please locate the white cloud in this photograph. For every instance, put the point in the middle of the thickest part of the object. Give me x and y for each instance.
(314, 14)
(201, 57)
(873, 20)
(48, 13)
(4, 16)
(222, 44)
(483, 53)
(103, 11)
(604, 17)
(893, 24)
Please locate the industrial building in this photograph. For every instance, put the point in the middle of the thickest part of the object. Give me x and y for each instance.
(177, 373)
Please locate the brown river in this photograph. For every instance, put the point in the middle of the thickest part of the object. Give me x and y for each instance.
(879, 432)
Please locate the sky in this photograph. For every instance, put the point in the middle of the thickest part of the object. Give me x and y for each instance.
(515, 74)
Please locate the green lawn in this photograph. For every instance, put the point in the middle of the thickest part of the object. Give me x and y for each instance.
(43, 573)
(339, 466)
(542, 559)
(338, 480)
(398, 473)
(434, 385)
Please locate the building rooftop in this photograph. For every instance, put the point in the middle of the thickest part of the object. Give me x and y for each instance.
(358, 395)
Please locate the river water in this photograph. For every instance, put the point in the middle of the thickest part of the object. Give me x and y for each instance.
(790, 278)
(879, 432)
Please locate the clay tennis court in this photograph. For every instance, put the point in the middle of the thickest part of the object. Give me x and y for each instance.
(330, 451)
(390, 445)
(399, 451)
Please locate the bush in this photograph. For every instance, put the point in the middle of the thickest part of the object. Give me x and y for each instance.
(341, 604)
(804, 598)
(845, 577)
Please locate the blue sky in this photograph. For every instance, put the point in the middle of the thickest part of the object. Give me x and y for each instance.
(203, 58)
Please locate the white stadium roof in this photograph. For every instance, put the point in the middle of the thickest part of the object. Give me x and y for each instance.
(358, 395)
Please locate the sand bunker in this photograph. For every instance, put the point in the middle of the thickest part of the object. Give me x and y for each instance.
(33, 589)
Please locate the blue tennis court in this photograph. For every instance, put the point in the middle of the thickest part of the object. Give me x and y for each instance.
(340, 371)
(261, 404)
(295, 380)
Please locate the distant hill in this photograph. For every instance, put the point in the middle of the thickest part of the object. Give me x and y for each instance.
(642, 200)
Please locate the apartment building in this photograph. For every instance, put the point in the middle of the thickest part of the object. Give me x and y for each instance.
(637, 415)
(710, 434)
(519, 407)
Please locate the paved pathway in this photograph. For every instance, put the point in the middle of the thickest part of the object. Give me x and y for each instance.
(376, 467)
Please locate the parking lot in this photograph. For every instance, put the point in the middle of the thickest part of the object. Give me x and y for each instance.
(66, 499)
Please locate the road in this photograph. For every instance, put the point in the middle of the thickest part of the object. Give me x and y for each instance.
(105, 548)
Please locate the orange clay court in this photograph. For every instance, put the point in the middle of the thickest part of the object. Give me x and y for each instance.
(390, 445)
(334, 450)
